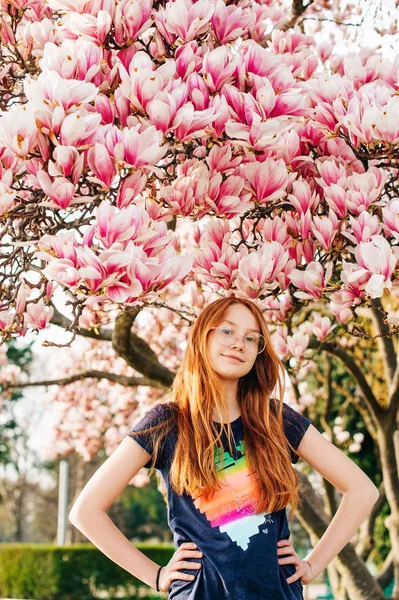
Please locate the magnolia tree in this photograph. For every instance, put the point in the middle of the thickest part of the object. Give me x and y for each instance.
(156, 156)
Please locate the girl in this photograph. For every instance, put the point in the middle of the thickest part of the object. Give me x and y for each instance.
(223, 447)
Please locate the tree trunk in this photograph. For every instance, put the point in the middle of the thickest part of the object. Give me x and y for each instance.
(357, 580)
(391, 482)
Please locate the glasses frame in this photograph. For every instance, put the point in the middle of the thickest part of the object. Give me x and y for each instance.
(237, 335)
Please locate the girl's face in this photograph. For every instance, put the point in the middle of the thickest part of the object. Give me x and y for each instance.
(242, 321)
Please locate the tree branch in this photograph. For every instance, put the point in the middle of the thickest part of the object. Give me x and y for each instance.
(297, 10)
(62, 321)
(335, 349)
(359, 581)
(115, 377)
(365, 542)
(386, 574)
(385, 343)
(136, 352)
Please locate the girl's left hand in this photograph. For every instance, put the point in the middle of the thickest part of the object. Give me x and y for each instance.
(303, 568)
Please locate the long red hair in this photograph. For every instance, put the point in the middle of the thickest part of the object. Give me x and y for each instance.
(194, 395)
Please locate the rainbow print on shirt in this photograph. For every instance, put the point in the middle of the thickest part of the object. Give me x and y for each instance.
(232, 508)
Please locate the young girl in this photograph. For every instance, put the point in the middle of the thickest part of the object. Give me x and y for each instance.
(223, 446)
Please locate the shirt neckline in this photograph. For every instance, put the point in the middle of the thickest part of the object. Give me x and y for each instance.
(231, 422)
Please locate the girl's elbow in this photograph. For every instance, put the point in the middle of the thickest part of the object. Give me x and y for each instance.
(73, 517)
(374, 493)
(370, 493)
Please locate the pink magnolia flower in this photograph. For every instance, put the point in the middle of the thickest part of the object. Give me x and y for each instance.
(198, 91)
(327, 89)
(361, 69)
(130, 188)
(18, 131)
(378, 259)
(226, 198)
(63, 271)
(312, 281)
(341, 303)
(259, 271)
(144, 81)
(221, 109)
(336, 198)
(302, 197)
(102, 165)
(20, 301)
(390, 217)
(93, 28)
(74, 59)
(188, 59)
(230, 22)
(188, 20)
(78, 127)
(386, 126)
(96, 273)
(6, 320)
(173, 268)
(7, 198)
(219, 66)
(320, 327)
(114, 225)
(60, 190)
(52, 90)
(34, 37)
(325, 229)
(189, 188)
(297, 344)
(330, 172)
(7, 194)
(63, 245)
(220, 159)
(267, 181)
(141, 149)
(193, 123)
(131, 19)
(105, 107)
(68, 162)
(364, 227)
(162, 111)
(38, 315)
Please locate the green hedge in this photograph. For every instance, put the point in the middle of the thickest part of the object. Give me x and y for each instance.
(80, 571)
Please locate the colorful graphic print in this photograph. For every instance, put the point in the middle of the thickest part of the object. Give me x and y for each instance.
(232, 508)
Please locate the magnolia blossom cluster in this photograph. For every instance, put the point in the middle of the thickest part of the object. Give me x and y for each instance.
(343, 437)
(121, 257)
(281, 158)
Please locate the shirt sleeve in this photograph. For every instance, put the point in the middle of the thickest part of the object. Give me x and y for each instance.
(152, 417)
(295, 426)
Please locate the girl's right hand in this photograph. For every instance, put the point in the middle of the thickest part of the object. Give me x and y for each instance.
(171, 570)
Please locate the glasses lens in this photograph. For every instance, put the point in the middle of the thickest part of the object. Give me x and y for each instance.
(254, 342)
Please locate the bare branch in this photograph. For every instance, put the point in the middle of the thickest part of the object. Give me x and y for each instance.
(297, 10)
(335, 349)
(62, 321)
(93, 374)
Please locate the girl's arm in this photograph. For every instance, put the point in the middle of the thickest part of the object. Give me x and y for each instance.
(88, 513)
(359, 495)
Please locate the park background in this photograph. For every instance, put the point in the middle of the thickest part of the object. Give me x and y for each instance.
(288, 195)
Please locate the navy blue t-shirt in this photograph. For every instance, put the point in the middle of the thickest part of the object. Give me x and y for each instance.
(240, 560)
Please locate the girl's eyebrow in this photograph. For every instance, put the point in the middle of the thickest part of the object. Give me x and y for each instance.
(232, 323)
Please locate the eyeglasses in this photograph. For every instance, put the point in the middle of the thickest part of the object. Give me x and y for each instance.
(254, 342)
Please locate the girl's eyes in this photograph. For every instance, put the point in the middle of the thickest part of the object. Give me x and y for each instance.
(230, 332)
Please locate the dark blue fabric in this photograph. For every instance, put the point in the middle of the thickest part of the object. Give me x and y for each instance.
(240, 560)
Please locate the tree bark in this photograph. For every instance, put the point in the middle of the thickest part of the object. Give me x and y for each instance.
(358, 581)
